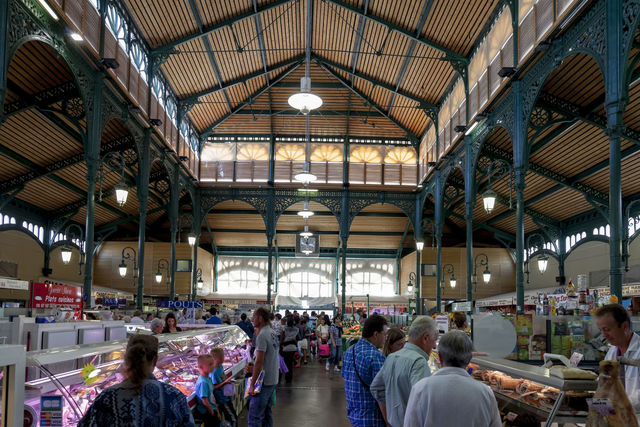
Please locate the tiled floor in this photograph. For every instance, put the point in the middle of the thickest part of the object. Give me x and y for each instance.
(315, 398)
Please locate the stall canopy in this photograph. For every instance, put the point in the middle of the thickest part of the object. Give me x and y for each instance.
(323, 303)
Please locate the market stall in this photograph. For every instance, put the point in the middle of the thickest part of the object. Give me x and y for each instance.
(95, 367)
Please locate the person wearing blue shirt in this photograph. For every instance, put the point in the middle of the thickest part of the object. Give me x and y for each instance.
(246, 326)
(214, 319)
(219, 380)
(204, 390)
(360, 365)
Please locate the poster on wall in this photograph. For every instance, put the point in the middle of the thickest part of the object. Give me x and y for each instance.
(50, 295)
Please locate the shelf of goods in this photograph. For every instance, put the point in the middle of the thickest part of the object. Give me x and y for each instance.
(524, 389)
(98, 366)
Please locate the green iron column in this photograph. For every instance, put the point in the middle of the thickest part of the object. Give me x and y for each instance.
(215, 272)
(562, 254)
(269, 269)
(469, 202)
(344, 237)
(92, 153)
(343, 280)
(520, 168)
(173, 220)
(438, 221)
(193, 291)
(144, 167)
(417, 227)
(615, 106)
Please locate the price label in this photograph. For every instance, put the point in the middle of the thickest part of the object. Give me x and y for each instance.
(575, 359)
(601, 405)
(511, 417)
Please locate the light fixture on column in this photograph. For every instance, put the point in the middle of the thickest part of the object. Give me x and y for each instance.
(191, 238)
(305, 212)
(419, 245)
(199, 282)
(486, 274)
(497, 167)
(66, 251)
(128, 253)
(163, 264)
(543, 259)
(412, 277)
(115, 161)
(448, 269)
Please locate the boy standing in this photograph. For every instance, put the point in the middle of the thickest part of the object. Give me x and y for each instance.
(219, 381)
(204, 390)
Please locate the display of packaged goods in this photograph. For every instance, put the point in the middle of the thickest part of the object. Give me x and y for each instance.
(99, 366)
(524, 389)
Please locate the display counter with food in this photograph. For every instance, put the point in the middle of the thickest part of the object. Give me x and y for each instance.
(558, 394)
(98, 366)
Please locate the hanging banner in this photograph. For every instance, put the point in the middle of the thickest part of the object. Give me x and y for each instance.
(179, 304)
(49, 295)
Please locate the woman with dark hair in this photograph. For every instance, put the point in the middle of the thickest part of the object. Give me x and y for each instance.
(394, 341)
(170, 324)
(139, 400)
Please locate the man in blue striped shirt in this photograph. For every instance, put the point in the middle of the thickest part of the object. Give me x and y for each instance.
(360, 365)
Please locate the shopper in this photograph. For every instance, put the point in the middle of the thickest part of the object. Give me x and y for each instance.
(157, 325)
(290, 337)
(303, 341)
(460, 321)
(206, 406)
(140, 400)
(335, 341)
(226, 320)
(394, 341)
(137, 318)
(170, 324)
(404, 368)
(149, 317)
(360, 365)
(219, 381)
(214, 319)
(276, 322)
(615, 324)
(266, 358)
(437, 400)
(246, 326)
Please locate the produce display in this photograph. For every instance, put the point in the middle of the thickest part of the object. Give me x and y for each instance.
(530, 392)
(177, 366)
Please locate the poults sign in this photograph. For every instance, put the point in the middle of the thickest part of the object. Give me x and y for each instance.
(179, 304)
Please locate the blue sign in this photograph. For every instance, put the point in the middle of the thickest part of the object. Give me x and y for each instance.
(111, 302)
(179, 304)
(51, 411)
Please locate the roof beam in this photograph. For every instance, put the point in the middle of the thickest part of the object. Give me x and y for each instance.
(295, 214)
(249, 100)
(358, 42)
(484, 226)
(413, 137)
(325, 252)
(11, 184)
(394, 90)
(412, 46)
(325, 232)
(263, 55)
(296, 113)
(206, 30)
(63, 92)
(449, 54)
(226, 85)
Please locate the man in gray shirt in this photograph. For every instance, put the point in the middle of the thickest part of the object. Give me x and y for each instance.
(401, 370)
(266, 359)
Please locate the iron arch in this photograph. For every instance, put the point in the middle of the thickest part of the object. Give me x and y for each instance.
(19, 228)
(588, 239)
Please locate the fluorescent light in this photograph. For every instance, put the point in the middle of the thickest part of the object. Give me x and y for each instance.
(76, 37)
(471, 128)
(48, 9)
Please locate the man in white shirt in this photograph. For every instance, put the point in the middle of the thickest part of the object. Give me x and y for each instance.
(450, 397)
(137, 318)
(403, 369)
(615, 324)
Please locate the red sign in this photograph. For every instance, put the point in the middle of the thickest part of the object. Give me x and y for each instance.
(212, 301)
(261, 302)
(49, 295)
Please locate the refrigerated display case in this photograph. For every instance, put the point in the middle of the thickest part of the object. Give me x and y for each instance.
(99, 366)
(522, 389)
(12, 364)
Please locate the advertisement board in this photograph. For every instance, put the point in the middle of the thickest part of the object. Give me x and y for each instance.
(49, 295)
(179, 304)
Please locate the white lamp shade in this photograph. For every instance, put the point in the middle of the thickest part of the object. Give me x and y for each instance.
(305, 177)
(66, 255)
(121, 194)
(200, 284)
(453, 282)
(306, 234)
(191, 238)
(489, 201)
(158, 277)
(419, 245)
(305, 101)
(542, 263)
(410, 288)
(76, 37)
(486, 276)
(122, 269)
(305, 213)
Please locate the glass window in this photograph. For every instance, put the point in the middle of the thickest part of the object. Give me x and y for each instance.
(311, 278)
(139, 59)
(238, 275)
(373, 277)
(117, 26)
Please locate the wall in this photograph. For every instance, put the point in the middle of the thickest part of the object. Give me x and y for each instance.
(586, 258)
(109, 256)
(501, 265)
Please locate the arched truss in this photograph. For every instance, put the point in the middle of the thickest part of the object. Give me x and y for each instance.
(588, 239)
(20, 228)
(272, 204)
(547, 252)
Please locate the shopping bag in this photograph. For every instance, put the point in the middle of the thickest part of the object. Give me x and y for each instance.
(324, 350)
(283, 366)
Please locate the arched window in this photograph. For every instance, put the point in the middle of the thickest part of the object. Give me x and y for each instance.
(602, 231)
(306, 277)
(117, 26)
(583, 235)
(158, 90)
(139, 59)
(171, 110)
(573, 240)
(608, 230)
(595, 231)
(375, 278)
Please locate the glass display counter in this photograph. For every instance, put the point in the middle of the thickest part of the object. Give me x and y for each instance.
(12, 366)
(101, 367)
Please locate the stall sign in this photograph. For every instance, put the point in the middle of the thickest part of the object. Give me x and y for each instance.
(22, 285)
(114, 302)
(442, 321)
(49, 295)
(462, 306)
(212, 301)
(179, 304)
(51, 411)
(261, 303)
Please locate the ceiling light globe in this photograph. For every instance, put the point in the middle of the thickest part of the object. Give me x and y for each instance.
(305, 102)
(306, 234)
(305, 213)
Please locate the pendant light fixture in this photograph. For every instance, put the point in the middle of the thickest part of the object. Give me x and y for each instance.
(306, 233)
(305, 212)
(305, 101)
